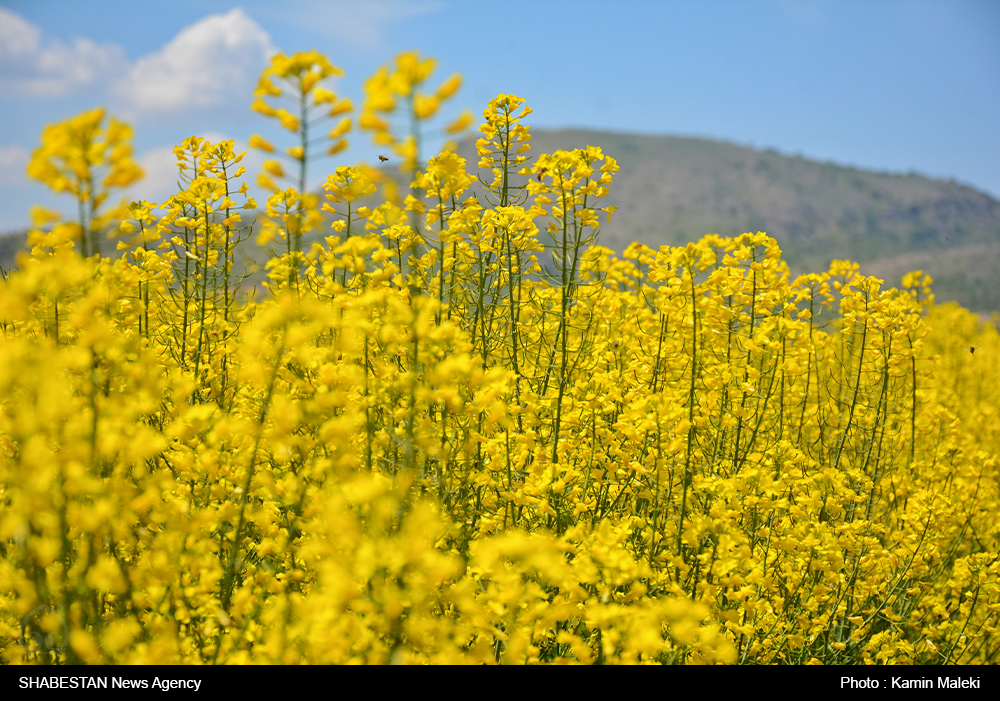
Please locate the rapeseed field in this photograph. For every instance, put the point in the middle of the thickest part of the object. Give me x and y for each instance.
(455, 429)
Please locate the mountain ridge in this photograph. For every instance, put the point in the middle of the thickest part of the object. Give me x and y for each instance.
(675, 189)
(798, 155)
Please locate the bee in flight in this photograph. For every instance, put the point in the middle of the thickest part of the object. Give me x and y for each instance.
(972, 349)
(541, 172)
(383, 158)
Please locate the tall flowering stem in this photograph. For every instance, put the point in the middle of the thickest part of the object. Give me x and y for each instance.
(404, 81)
(87, 158)
(564, 184)
(298, 78)
(202, 224)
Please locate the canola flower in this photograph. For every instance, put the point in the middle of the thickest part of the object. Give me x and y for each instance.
(455, 442)
(88, 159)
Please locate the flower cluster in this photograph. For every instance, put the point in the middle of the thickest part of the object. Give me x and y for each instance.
(84, 157)
(403, 81)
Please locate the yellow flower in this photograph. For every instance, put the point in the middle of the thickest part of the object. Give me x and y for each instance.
(342, 127)
(288, 120)
(263, 108)
(274, 168)
(344, 105)
(68, 160)
(258, 142)
(460, 124)
(425, 106)
(449, 87)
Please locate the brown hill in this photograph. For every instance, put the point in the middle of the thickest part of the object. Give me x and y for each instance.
(672, 190)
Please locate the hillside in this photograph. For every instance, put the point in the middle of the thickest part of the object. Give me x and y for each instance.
(672, 190)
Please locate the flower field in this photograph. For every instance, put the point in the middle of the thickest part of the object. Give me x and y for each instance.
(455, 429)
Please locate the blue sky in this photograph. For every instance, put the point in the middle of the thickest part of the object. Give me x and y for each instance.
(896, 86)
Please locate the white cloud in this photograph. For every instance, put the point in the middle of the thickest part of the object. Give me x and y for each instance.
(36, 67)
(210, 63)
(13, 161)
(18, 37)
